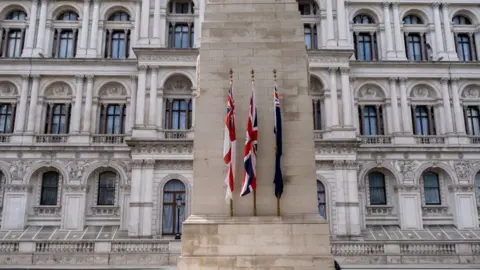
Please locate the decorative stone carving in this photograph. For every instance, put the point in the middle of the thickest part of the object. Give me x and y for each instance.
(178, 84)
(8, 89)
(407, 168)
(105, 210)
(164, 148)
(169, 58)
(422, 92)
(462, 169)
(324, 164)
(439, 210)
(76, 168)
(351, 164)
(59, 89)
(315, 85)
(461, 188)
(75, 188)
(370, 92)
(175, 164)
(18, 169)
(407, 188)
(47, 210)
(471, 91)
(112, 90)
(338, 164)
(17, 188)
(379, 210)
(334, 148)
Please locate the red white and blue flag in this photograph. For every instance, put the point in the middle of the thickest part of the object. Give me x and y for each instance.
(229, 142)
(250, 151)
(278, 180)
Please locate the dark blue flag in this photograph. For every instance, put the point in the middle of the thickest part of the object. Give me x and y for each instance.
(278, 180)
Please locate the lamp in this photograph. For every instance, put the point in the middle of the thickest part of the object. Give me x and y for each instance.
(180, 202)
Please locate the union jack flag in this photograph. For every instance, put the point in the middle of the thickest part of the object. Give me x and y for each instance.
(229, 144)
(250, 151)
(278, 180)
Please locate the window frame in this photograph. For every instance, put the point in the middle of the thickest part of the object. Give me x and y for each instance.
(437, 187)
(43, 190)
(7, 117)
(173, 204)
(170, 111)
(111, 190)
(472, 129)
(320, 194)
(383, 201)
(118, 22)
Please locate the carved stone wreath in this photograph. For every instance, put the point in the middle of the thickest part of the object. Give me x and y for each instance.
(422, 92)
(112, 90)
(8, 89)
(58, 89)
(472, 91)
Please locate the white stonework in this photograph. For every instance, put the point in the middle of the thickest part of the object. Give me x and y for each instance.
(91, 70)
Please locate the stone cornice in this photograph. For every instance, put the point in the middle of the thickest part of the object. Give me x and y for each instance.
(166, 57)
(179, 147)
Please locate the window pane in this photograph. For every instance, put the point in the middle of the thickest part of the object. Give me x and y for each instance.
(477, 184)
(431, 188)
(49, 191)
(322, 207)
(377, 189)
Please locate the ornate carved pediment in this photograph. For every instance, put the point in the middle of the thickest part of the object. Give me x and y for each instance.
(76, 168)
(18, 169)
(7, 89)
(58, 89)
(423, 92)
(178, 84)
(112, 90)
(175, 164)
(407, 168)
(471, 92)
(370, 92)
(462, 169)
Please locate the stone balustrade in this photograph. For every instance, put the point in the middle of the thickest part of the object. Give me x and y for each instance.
(50, 138)
(380, 139)
(431, 139)
(108, 138)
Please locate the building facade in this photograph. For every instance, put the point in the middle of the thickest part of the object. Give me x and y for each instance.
(97, 120)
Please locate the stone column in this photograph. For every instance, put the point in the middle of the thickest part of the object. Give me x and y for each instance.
(341, 21)
(33, 104)
(452, 54)
(156, 22)
(30, 38)
(135, 193)
(399, 40)
(87, 117)
(394, 101)
(438, 30)
(144, 22)
(355, 115)
(407, 125)
(346, 98)
(334, 96)
(22, 108)
(388, 31)
(147, 202)
(153, 97)
(196, 29)
(14, 215)
(194, 99)
(136, 30)
(331, 42)
(160, 112)
(457, 108)
(446, 103)
(410, 207)
(353, 210)
(92, 51)
(163, 27)
(41, 27)
(77, 110)
(84, 33)
(73, 207)
(133, 106)
(140, 114)
(340, 205)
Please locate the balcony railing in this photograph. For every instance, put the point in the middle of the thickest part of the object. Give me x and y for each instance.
(5, 138)
(474, 139)
(430, 139)
(171, 134)
(378, 139)
(318, 135)
(51, 138)
(108, 138)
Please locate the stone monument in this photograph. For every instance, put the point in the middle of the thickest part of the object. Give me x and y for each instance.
(262, 35)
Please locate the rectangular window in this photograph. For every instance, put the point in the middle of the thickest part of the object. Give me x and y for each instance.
(465, 47)
(178, 114)
(7, 118)
(431, 188)
(473, 120)
(15, 43)
(317, 114)
(310, 36)
(371, 120)
(49, 192)
(181, 36)
(415, 45)
(423, 120)
(112, 118)
(377, 190)
(58, 119)
(365, 46)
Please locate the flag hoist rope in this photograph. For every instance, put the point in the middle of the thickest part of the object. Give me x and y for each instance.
(255, 189)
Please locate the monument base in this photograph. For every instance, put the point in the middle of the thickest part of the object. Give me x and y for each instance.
(280, 243)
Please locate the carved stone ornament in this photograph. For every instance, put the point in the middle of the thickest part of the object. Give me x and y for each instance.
(76, 168)
(59, 89)
(8, 89)
(422, 92)
(164, 148)
(75, 188)
(407, 168)
(471, 91)
(178, 84)
(370, 92)
(175, 164)
(18, 169)
(325, 59)
(169, 58)
(315, 85)
(338, 164)
(407, 188)
(462, 168)
(17, 188)
(113, 90)
(329, 148)
(461, 188)
(324, 164)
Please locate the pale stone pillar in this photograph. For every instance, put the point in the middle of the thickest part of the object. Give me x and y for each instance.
(341, 191)
(156, 22)
(452, 54)
(407, 125)
(334, 96)
(136, 30)
(73, 207)
(30, 38)
(447, 109)
(160, 109)
(87, 116)
(77, 110)
(353, 213)
(33, 104)
(22, 108)
(84, 33)
(355, 116)
(153, 96)
(163, 27)
(92, 52)
(140, 115)
(341, 21)
(394, 101)
(133, 106)
(346, 98)
(41, 26)
(194, 99)
(331, 42)
(438, 30)
(144, 22)
(399, 40)
(135, 193)
(196, 29)
(464, 204)
(200, 22)
(410, 207)
(147, 202)
(328, 108)
(457, 108)
(388, 31)
(14, 216)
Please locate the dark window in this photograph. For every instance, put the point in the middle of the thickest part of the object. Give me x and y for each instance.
(16, 15)
(173, 214)
(365, 46)
(465, 47)
(14, 44)
(461, 20)
(431, 188)
(371, 120)
(424, 121)
(317, 114)
(322, 200)
(58, 119)
(68, 16)
(178, 114)
(49, 191)
(412, 19)
(376, 185)
(308, 36)
(106, 188)
(473, 120)
(307, 8)
(363, 19)
(119, 17)
(181, 7)
(112, 119)
(6, 118)
(180, 36)
(65, 46)
(415, 44)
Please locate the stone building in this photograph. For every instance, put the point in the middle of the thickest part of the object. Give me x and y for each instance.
(97, 102)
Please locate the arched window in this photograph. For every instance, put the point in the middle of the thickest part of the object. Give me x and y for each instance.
(173, 207)
(377, 188)
(464, 38)
(16, 15)
(363, 19)
(68, 16)
(412, 19)
(317, 94)
(477, 187)
(322, 200)
(49, 192)
(415, 41)
(118, 40)
(106, 188)
(431, 188)
(58, 119)
(181, 32)
(461, 20)
(113, 118)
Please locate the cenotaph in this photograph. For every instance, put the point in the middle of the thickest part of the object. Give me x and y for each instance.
(262, 35)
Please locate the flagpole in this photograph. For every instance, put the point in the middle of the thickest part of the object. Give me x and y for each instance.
(255, 190)
(231, 200)
(276, 195)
